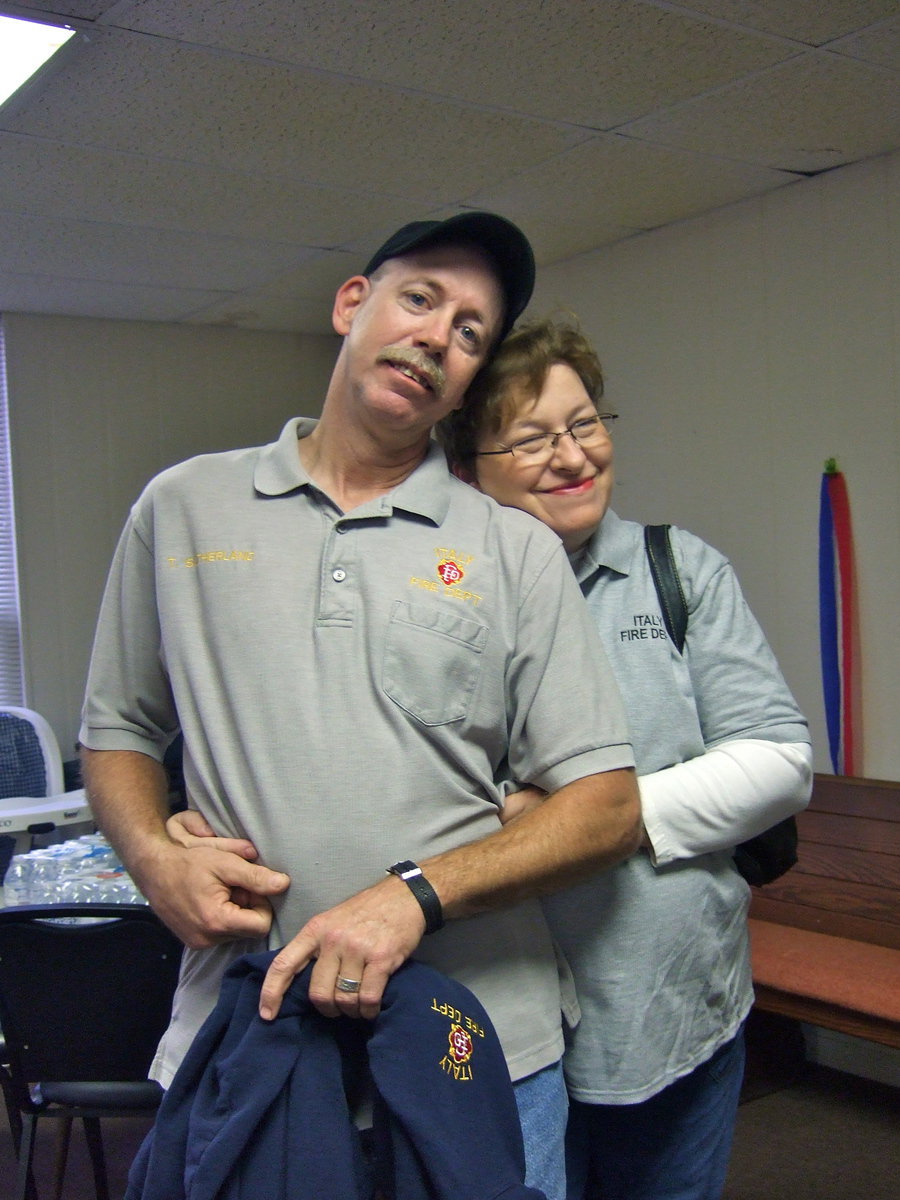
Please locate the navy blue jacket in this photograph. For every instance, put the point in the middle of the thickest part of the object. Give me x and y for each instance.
(258, 1110)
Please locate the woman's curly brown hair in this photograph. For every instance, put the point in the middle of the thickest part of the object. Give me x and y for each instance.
(516, 373)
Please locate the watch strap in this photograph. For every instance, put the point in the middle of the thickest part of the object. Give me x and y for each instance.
(428, 899)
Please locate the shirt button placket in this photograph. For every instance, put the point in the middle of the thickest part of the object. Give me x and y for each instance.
(337, 578)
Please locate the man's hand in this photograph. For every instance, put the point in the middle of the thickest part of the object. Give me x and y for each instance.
(189, 828)
(206, 891)
(206, 894)
(362, 940)
(587, 825)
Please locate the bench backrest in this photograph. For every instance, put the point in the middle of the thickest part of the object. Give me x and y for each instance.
(847, 878)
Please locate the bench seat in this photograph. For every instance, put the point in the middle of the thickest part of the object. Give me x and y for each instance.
(835, 982)
(825, 938)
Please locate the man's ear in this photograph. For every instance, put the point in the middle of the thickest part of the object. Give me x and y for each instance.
(347, 302)
(467, 475)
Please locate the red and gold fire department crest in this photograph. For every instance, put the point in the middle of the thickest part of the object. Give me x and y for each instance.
(461, 1045)
(449, 571)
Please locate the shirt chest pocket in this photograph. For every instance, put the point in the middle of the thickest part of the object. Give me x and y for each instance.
(432, 662)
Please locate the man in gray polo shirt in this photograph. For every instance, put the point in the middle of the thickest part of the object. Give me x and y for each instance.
(354, 645)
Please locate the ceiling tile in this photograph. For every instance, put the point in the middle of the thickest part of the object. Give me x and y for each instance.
(592, 64)
(87, 298)
(86, 10)
(812, 21)
(301, 298)
(157, 258)
(232, 161)
(813, 113)
(263, 310)
(320, 278)
(880, 45)
(128, 92)
(45, 177)
(611, 187)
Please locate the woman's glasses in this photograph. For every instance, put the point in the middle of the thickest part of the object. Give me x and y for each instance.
(586, 432)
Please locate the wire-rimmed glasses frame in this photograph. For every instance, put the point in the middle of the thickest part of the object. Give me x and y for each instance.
(585, 432)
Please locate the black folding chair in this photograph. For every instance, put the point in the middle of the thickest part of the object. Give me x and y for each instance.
(83, 1004)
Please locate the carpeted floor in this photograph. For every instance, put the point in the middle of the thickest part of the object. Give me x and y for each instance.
(121, 1138)
(803, 1133)
(828, 1136)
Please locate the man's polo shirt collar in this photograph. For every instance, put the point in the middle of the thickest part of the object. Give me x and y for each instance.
(426, 492)
(611, 546)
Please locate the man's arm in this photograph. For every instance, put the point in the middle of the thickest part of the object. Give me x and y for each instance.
(195, 890)
(583, 827)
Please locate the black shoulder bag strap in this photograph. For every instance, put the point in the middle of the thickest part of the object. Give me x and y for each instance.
(667, 582)
(770, 854)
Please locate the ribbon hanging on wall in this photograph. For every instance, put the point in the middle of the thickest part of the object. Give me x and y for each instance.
(838, 620)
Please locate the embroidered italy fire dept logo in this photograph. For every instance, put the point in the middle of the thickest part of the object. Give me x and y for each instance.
(449, 571)
(461, 1045)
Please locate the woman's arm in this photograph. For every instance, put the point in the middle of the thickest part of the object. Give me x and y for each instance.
(725, 796)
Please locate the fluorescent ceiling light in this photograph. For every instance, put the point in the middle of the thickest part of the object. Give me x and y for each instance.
(24, 48)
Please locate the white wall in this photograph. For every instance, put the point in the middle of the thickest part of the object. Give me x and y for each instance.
(96, 408)
(743, 349)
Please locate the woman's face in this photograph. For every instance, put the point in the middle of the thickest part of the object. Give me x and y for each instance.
(569, 487)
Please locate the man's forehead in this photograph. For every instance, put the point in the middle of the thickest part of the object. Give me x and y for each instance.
(463, 264)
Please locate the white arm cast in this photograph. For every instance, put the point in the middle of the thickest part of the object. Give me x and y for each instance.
(725, 796)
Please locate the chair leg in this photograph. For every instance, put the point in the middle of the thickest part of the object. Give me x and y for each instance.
(25, 1185)
(63, 1135)
(98, 1160)
(12, 1108)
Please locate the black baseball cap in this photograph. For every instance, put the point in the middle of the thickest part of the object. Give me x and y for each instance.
(504, 243)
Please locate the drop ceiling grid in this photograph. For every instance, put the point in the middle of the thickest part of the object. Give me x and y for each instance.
(236, 140)
(157, 258)
(47, 177)
(30, 292)
(134, 93)
(814, 22)
(592, 65)
(807, 115)
(613, 187)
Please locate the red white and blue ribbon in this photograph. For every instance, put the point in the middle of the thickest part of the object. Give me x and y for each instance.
(837, 620)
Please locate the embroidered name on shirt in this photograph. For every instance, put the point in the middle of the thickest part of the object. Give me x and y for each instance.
(432, 585)
(450, 571)
(644, 627)
(211, 556)
(460, 1042)
(458, 556)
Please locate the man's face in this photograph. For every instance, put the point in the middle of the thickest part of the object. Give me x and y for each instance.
(417, 332)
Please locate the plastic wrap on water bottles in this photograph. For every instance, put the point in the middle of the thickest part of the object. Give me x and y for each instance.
(84, 870)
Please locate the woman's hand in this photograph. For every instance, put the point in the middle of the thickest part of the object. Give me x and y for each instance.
(517, 803)
(190, 828)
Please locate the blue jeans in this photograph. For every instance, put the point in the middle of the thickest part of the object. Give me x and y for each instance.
(674, 1146)
(543, 1107)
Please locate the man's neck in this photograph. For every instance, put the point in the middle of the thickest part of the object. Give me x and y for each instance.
(353, 468)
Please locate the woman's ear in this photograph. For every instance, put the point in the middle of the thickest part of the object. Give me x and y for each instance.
(347, 302)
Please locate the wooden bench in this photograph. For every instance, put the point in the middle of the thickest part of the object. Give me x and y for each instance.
(825, 938)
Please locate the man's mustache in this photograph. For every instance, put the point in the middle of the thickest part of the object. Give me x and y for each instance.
(420, 362)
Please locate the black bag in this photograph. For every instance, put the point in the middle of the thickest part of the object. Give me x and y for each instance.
(771, 853)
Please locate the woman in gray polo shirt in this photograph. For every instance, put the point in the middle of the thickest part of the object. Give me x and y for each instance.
(658, 945)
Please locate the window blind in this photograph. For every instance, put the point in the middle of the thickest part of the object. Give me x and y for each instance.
(11, 674)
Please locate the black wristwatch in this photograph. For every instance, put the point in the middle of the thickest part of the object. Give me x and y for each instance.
(427, 897)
